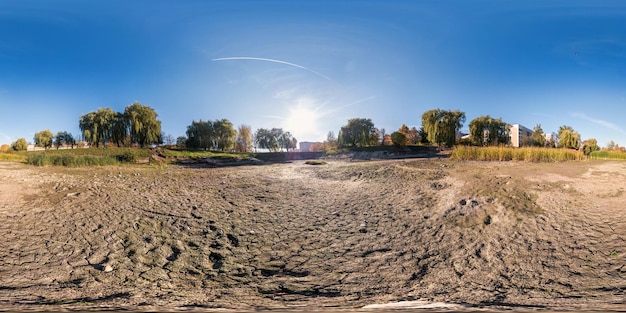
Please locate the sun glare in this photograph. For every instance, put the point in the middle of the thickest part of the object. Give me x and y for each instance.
(301, 121)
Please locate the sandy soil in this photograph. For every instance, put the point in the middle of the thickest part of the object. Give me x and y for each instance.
(344, 234)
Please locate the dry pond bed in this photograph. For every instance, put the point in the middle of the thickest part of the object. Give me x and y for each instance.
(292, 236)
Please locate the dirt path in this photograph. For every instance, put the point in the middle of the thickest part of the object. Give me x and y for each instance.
(289, 235)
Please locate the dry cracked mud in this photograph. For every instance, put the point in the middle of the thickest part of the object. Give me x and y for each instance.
(344, 235)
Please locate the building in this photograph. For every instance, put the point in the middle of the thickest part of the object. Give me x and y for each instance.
(518, 133)
(305, 146)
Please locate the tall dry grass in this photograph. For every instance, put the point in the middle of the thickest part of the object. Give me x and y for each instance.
(528, 154)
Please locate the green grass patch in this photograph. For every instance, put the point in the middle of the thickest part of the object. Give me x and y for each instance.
(609, 155)
(13, 157)
(198, 154)
(528, 154)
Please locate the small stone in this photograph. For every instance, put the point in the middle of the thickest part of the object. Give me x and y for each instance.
(107, 268)
(251, 232)
(335, 213)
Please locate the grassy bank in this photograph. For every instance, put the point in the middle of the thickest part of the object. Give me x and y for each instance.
(86, 157)
(197, 154)
(528, 154)
(13, 157)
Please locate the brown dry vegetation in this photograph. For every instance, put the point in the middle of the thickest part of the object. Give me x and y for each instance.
(343, 234)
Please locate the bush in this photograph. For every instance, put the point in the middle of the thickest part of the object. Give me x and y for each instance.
(128, 156)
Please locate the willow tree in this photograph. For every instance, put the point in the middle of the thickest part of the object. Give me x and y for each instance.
(104, 120)
(224, 135)
(20, 144)
(568, 137)
(44, 139)
(441, 126)
(87, 125)
(488, 131)
(144, 127)
(267, 139)
(97, 126)
(119, 129)
(590, 145)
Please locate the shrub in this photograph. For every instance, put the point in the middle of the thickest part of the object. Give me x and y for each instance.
(128, 156)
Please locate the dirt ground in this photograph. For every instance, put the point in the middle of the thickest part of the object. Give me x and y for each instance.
(343, 235)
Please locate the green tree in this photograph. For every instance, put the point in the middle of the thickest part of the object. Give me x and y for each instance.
(119, 129)
(286, 140)
(244, 139)
(399, 139)
(224, 135)
(44, 139)
(568, 137)
(105, 117)
(590, 145)
(144, 127)
(441, 126)
(538, 137)
(97, 126)
(87, 125)
(267, 139)
(422, 135)
(64, 138)
(488, 131)
(200, 135)
(181, 141)
(359, 132)
(20, 144)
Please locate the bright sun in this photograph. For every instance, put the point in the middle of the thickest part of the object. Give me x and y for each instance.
(301, 121)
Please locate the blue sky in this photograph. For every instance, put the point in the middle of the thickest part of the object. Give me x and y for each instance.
(309, 66)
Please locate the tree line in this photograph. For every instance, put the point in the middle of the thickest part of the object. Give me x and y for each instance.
(139, 125)
(441, 127)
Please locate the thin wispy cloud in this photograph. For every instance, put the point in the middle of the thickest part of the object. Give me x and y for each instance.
(355, 102)
(600, 122)
(274, 61)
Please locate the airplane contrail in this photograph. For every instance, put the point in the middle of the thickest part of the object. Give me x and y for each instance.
(275, 61)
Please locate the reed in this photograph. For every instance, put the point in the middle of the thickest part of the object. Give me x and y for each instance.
(609, 155)
(527, 154)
